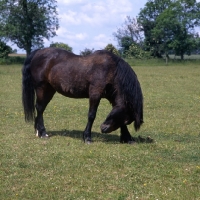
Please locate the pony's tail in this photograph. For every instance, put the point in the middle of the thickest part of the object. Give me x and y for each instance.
(28, 92)
(139, 117)
(138, 105)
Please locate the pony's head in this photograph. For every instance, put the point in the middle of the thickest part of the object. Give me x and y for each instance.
(127, 99)
(118, 117)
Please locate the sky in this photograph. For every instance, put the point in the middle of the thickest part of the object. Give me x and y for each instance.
(91, 23)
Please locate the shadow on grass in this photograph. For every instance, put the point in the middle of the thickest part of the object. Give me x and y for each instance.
(76, 134)
(98, 136)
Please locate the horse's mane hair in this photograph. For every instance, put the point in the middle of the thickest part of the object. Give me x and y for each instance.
(130, 88)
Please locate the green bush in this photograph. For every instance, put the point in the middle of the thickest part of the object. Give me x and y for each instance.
(4, 49)
(12, 60)
(135, 51)
(113, 49)
(61, 45)
(86, 52)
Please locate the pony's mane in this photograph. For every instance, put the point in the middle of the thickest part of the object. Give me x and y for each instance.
(130, 88)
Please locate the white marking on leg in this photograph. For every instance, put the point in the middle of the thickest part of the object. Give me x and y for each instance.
(37, 133)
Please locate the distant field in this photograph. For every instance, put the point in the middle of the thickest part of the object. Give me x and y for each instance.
(16, 54)
(63, 167)
(185, 57)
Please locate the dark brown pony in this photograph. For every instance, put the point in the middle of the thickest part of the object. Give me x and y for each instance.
(99, 75)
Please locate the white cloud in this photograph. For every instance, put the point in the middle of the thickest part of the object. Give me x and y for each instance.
(71, 2)
(101, 41)
(100, 37)
(81, 36)
(69, 17)
(65, 34)
(94, 7)
(95, 13)
(108, 6)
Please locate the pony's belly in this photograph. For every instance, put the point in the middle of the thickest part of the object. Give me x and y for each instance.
(73, 92)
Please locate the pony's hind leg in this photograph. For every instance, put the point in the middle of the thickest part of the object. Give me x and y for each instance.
(44, 95)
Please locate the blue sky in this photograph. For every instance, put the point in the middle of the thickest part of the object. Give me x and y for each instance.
(91, 23)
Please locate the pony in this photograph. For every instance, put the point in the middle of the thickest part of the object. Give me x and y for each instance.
(95, 76)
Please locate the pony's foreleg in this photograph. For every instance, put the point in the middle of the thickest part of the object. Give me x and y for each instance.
(94, 103)
(125, 136)
(44, 95)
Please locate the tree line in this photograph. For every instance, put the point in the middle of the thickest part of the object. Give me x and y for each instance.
(162, 27)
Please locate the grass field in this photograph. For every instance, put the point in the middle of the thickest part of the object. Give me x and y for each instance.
(63, 167)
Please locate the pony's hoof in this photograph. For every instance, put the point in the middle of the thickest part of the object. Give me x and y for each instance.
(45, 136)
(131, 142)
(88, 142)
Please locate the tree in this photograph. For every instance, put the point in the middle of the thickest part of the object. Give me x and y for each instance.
(86, 52)
(170, 25)
(112, 48)
(125, 43)
(130, 33)
(61, 45)
(147, 20)
(197, 44)
(4, 49)
(175, 27)
(27, 22)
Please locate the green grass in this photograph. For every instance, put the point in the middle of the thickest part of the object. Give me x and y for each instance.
(63, 167)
